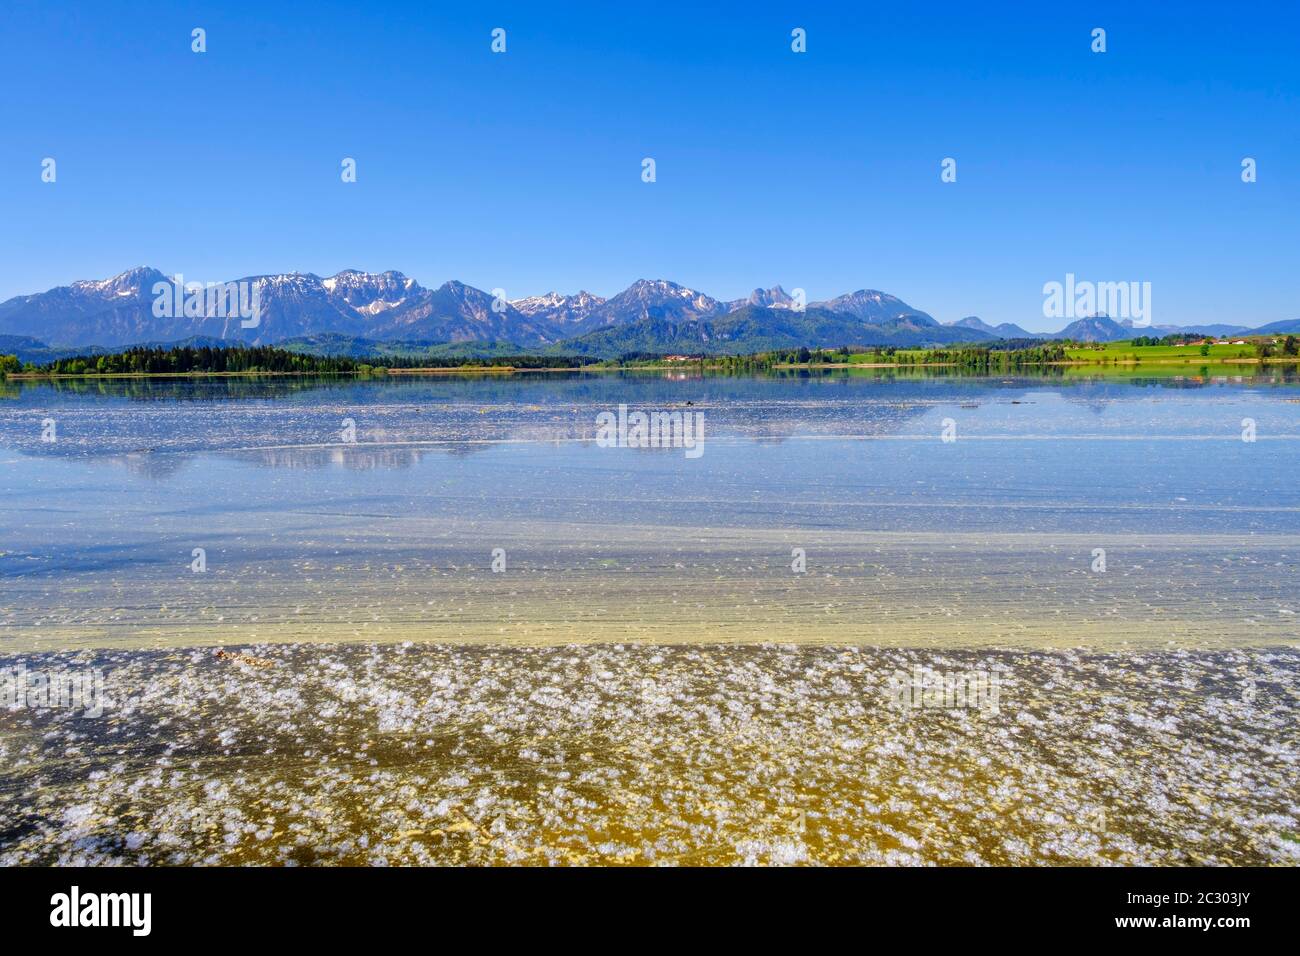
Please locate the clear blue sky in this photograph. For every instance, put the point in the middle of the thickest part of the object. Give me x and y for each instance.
(522, 170)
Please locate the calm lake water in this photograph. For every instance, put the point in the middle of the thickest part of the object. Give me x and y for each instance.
(906, 538)
(681, 659)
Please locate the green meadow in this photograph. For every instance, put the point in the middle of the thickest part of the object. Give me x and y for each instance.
(1188, 354)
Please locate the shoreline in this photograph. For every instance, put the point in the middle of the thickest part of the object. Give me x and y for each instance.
(712, 364)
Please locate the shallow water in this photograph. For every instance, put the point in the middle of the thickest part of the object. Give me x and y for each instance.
(684, 659)
(392, 754)
(986, 540)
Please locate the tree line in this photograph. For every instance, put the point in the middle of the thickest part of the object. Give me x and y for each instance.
(186, 359)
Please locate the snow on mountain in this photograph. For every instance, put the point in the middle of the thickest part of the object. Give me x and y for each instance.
(773, 298)
(870, 305)
(560, 310)
(121, 311)
(128, 284)
(658, 299)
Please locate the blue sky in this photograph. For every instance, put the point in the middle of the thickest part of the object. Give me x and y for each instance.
(522, 170)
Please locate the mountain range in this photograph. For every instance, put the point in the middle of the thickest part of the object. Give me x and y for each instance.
(655, 316)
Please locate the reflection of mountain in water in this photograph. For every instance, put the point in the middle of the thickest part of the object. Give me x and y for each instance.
(350, 457)
(400, 437)
(353, 458)
(197, 389)
(567, 388)
(400, 422)
(151, 466)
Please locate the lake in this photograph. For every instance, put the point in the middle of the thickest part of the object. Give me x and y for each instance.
(461, 628)
(906, 538)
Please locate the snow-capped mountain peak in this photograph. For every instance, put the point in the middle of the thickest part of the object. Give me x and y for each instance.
(773, 298)
(649, 315)
(870, 305)
(371, 292)
(660, 298)
(132, 282)
(560, 310)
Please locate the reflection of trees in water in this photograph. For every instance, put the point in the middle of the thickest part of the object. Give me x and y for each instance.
(578, 393)
(473, 415)
(197, 389)
(160, 466)
(1100, 392)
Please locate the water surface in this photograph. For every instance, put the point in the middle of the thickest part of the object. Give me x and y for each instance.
(991, 539)
(382, 695)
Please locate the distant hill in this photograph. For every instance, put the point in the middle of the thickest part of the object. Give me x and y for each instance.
(38, 353)
(1214, 329)
(1285, 327)
(1005, 330)
(32, 350)
(21, 345)
(1095, 328)
(757, 329)
(359, 348)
